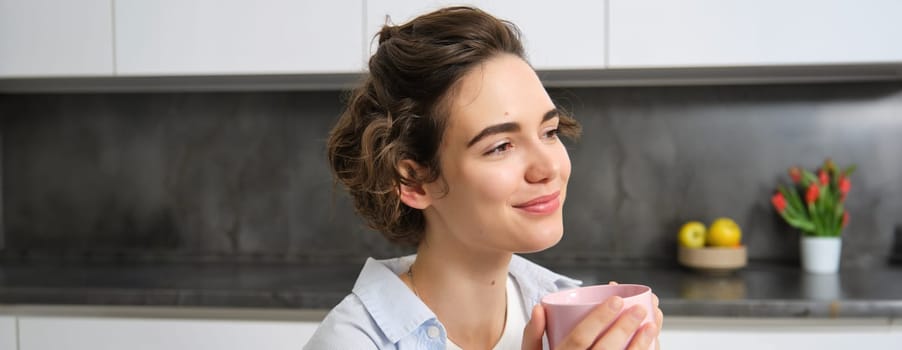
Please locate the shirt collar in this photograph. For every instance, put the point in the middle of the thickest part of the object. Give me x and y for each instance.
(393, 306)
(398, 312)
(536, 281)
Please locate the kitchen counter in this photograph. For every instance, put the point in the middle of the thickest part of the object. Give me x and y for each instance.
(759, 290)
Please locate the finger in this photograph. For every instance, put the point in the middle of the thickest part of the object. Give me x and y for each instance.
(659, 318)
(619, 334)
(644, 337)
(586, 331)
(532, 334)
(659, 315)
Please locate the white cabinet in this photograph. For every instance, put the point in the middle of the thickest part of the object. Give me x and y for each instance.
(174, 332)
(780, 333)
(706, 33)
(238, 37)
(8, 333)
(264, 44)
(568, 34)
(56, 38)
(836, 339)
(86, 333)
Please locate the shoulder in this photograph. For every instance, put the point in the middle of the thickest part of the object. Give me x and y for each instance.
(347, 326)
(380, 313)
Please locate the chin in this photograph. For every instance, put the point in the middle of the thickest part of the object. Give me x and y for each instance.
(543, 240)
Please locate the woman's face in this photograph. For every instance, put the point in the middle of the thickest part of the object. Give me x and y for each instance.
(503, 166)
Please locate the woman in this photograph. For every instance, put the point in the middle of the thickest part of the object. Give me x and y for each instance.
(451, 145)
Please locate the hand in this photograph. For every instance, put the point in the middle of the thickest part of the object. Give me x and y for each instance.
(659, 315)
(615, 331)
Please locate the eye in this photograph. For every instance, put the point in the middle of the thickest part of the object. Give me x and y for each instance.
(552, 134)
(499, 149)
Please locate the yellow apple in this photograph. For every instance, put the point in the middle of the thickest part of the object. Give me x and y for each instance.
(692, 235)
(724, 232)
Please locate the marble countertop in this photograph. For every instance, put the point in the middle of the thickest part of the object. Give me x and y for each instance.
(759, 290)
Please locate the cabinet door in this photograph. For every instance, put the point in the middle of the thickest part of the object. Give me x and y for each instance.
(85, 333)
(210, 37)
(661, 33)
(708, 333)
(568, 34)
(56, 38)
(7, 333)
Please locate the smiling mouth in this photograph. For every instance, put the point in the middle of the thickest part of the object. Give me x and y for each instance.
(542, 205)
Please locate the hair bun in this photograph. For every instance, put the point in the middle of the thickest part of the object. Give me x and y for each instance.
(388, 31)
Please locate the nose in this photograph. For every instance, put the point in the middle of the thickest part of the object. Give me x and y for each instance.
(543, 163)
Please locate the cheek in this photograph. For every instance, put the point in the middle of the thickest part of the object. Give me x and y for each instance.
(496, 184)
(479, 186)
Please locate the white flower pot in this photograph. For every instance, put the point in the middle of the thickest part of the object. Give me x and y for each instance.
(821, 254)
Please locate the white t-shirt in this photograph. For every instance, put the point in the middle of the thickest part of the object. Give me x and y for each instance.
(512, 337)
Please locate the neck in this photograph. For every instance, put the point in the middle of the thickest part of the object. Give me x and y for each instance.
(466, 291)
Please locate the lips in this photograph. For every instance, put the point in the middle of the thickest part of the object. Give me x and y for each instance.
(546, 204)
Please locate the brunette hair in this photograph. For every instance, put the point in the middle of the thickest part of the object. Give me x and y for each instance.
(400, 110)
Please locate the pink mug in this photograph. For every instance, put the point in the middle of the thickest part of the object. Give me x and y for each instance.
(565, 309)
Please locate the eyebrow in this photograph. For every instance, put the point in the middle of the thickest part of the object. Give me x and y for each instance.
(508, 127)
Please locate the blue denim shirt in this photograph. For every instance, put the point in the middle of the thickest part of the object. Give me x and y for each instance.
(382, 313)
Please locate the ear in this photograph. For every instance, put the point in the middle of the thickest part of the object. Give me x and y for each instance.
(414, 196)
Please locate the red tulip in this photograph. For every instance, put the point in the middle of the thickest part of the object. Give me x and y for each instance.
(822, 177)
(812, 193)
(779, 202)
(796, 174)
(845, 218)
(844, 185)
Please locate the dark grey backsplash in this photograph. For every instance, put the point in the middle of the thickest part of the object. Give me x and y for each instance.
(243, 177)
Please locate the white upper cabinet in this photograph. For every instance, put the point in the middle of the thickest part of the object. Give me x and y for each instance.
(212, 37)
(322, 44)
(564, 34)
(56, 38)
(711, 33)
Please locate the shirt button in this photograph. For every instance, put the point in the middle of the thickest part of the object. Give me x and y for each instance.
(432, 331)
